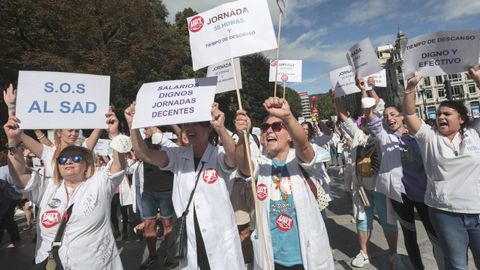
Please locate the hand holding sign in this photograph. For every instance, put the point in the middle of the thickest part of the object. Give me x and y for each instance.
(360, 83)
(112, 123)
(129, 113)
(241, 122)
(412, 82)
(474, 73)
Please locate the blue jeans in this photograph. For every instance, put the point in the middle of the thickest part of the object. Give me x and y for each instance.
(152, 201)
(456, 232)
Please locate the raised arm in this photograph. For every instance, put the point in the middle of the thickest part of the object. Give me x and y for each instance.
(142, 152)
(178, 132)
(373, 92)
(42, 138)
(119, 161)
(218, 121)
(342, 113)
(279, 107)
(413, 122)
(16, 161)
(360, 82)
(241, 126)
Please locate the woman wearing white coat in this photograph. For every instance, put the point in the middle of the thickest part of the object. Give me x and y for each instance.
(213, 240)
(294, 231)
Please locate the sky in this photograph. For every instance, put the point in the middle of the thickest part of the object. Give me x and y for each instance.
(320, 32)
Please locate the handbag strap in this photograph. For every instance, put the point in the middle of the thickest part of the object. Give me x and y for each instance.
(309, 181)
(57, 242)
(193, 191)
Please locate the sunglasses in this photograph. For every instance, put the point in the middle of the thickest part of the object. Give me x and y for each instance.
(276, 126)
(74, 158)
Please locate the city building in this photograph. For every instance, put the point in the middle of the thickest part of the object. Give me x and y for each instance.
(305, 103)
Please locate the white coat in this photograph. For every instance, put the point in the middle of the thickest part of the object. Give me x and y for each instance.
(314, 243)
(212, 206)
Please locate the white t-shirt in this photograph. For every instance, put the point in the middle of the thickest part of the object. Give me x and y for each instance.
(88, 241)
(453, 181)
(47, 156)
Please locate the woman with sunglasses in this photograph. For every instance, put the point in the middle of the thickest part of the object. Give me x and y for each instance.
(293, 227)
(213, 239)
(62, 137)
(451, 154)
(402, 176)
(87, 241)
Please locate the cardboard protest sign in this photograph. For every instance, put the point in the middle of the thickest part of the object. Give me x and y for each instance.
(343, 80)
(288, 70)
(102, 147)
(380, 79)
(67, 100)
(174, 102)
(363, 59)
(224, 72)
(441, 53)
(230, 30)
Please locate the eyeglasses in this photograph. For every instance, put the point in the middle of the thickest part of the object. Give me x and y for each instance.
(276, 126)
(74, 158)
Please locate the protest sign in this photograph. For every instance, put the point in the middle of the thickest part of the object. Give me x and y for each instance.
(174, 102)
(288, 70)
(102, 147)
(441, 53)
(343, 80)
(363, 59)
(230, 30)
(67, 100)
(380, 79)
(224, 72)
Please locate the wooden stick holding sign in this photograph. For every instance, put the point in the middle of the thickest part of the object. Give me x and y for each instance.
(284, 79)
(253, 185)
(278, 52)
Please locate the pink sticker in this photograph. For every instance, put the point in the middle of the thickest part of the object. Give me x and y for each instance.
(50, 218)
(284, 78)
(284, 222)
(262, 192)
(210, 176)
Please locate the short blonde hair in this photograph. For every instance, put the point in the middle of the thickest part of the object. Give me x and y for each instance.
(71, 150)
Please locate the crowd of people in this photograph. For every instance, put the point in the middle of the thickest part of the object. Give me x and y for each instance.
(394, 165)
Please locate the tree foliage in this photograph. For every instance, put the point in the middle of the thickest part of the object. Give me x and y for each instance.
(130, 40)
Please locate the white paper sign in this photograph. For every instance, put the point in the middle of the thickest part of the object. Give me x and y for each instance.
(380, 79)
(174, 102)
(224, 72)
(363, 59)
(50, 100)
(230, 30)
(288, 70)
(343, 80)
(441, 53)
(102, 147)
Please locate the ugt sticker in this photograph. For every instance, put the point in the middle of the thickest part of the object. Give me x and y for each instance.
(262, 192)
(284, 222)
(210, 176)
(50, 218)
(196, 24)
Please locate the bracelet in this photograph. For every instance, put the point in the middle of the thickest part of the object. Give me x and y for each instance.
(13, 149)
(409, 91)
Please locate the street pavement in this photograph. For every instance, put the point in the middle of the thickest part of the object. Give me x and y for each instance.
(342, 234)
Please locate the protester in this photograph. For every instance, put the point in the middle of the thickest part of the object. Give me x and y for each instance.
(87, 241)
(9, 200)
(63, 137)
(401, 176)
(451, 155)
(293, 228)
(317, 142)
(365, 154)
(156, 194)
(213, 241)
